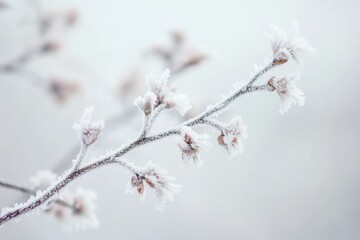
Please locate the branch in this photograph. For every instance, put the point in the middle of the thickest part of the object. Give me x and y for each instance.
(80, 157)
(44, 197)
(32, 192)
(15, 187)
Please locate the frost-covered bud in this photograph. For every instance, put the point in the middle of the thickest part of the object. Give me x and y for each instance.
(191, 143)
(147, 103)
(62, 89)
(233, 135)
(287, 90)
(165, 95)
(286, 45)
(75, 210)
(157, 179)
(71, 17)
(158, 85)
(178, 101)
(61, 207)
(88, 131)
(50, 46)
(84, 209)
(42, 180)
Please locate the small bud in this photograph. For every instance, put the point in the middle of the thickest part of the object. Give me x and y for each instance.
(232, 136)
(87, 131)
(288, 91)
(191, 143)
(158, 180)
(178, 36)
(71, 17)
(270, 85)
(50, 46)
(146, 103)
(62, 89)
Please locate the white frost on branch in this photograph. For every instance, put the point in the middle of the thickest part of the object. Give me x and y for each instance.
(191, 143)
(166, 95)
(287, 90)
(88, 131)
(159, 180)
(42, 180)
(233, 136)
(286, 45)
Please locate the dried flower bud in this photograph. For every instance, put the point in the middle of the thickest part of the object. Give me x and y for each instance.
(178, 37)
(270, 84)
(287, 45)
(137, 181)
(147, 103)
(75, 210)
(87, 131)
(288, 91)
(50, 46)
(157, 179)
(71, 17)
(281, 56)
(165, 95)
(191, 143)
(233, 135)
(195, 58)
(62, 89)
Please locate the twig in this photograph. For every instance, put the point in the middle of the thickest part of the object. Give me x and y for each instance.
(17, 188)
(115, 158)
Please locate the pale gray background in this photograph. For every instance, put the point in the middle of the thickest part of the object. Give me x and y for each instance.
(299, 175)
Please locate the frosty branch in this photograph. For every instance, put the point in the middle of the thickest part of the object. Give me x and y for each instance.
(160, 97)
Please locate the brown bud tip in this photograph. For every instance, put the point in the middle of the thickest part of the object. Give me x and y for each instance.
(220, 140)
(71, 17)
(50, 46)
(279, 61)
(178, 36)
(140, 188)
(270, 85)
(151, 184)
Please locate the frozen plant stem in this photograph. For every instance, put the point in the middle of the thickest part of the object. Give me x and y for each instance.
(285, 46)
(80, 157)
(17, 188)
(31, 192)
(115, 158)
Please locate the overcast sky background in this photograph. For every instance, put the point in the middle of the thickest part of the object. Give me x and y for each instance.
(299, 175)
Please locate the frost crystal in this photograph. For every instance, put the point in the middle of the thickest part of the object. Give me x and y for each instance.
(287, 45)
(287, 90)
(147, 103)
(159, 180)
(232, 137)
(165, 95)
(191, 144)
(42, 180)
(88, 131)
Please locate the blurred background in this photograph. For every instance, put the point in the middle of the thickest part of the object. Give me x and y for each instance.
(298, 177)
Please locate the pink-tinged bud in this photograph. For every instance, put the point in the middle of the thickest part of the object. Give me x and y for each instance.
(88, 131)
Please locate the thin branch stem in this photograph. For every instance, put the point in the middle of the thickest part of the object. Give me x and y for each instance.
(224, 103)
(41, 198)
(80, 157)
(213, 123)
(17, 188)
(31, 192)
